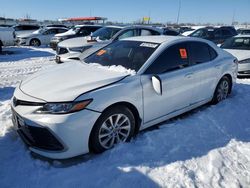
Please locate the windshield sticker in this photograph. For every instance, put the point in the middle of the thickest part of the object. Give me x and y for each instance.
(183, 53)
(101, 52)
(149, 45)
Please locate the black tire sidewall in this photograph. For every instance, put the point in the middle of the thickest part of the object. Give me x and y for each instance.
(1, 48)
(224, 78)
(95, 145)
(34, 40)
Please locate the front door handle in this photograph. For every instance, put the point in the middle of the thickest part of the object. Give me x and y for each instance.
(189, 75)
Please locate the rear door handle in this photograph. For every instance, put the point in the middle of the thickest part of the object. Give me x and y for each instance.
(189, 75)
(217, 66)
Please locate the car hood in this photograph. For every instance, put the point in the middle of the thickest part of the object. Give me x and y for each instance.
(73, 42)
(67, 81)
(239, 54)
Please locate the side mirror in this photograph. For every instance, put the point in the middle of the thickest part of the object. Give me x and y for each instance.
(157, 85)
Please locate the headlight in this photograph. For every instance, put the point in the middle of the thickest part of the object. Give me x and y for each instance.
(63, 108)
(244, 61)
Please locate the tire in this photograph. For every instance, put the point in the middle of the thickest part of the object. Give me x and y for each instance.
(222, 90)
(35, 42)
(1, 48)
(105, 134)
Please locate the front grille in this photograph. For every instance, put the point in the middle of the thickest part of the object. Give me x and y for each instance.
(60, 51)
(39, 138)
(244, 72)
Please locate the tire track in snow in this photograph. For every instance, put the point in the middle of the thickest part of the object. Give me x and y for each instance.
(12, 73)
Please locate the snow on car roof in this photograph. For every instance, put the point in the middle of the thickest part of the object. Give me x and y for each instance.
(155, 39)
(114, 26)
(86, 25)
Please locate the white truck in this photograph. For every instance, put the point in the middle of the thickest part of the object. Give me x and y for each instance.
(7, 36)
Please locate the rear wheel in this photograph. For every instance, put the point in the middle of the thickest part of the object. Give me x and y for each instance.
(114, 126)
(35, 42)
(1, 47)
(222, 90)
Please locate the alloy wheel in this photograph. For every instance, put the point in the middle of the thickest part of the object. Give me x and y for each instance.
(114, 130)
(223, 90)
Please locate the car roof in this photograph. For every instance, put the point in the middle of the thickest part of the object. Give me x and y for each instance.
(114, 26)
(155, 38)
(57, 28)
(167, 39)
(142, 27)
(88, 25)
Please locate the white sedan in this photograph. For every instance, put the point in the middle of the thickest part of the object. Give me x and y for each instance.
(123, 88)
(39, 37)
(239, 46)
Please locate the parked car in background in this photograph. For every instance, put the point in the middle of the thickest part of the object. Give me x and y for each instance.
(76, 31)
(25, 29)
(6, 37)
(171, 32)
(129, 31)
(72, 47)
(39, 37)
(243, 31)
(214, 34)
(152, 79)
(239, 46)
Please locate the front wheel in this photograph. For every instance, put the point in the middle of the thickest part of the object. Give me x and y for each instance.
(222, 90)
(114, 126)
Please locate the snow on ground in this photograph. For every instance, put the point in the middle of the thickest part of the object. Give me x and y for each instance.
(208, 147)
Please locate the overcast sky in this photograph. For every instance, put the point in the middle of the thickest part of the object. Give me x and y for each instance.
(203, 11)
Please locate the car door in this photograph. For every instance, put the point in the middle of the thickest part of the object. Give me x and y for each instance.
(176, 77)
(206, 70)
(47, 35)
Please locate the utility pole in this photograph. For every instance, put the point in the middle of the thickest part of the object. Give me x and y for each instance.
(178, 16)
(233, 18)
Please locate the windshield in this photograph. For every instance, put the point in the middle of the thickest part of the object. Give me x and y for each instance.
(239, 43)
(129, 54)
(76, 29)
(105, 33)
(39, 31)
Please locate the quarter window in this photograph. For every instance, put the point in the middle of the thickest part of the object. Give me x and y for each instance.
(173, 58)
